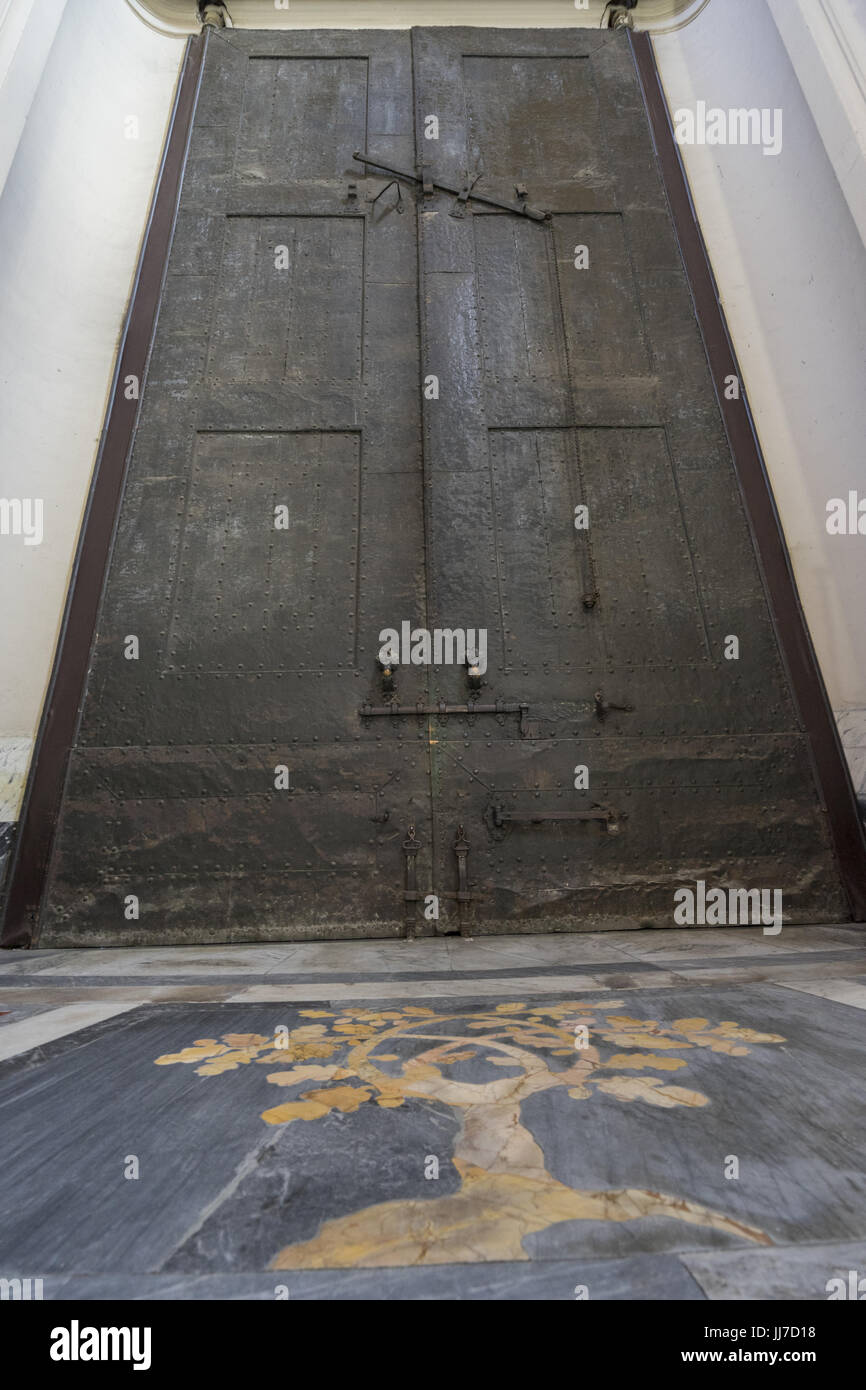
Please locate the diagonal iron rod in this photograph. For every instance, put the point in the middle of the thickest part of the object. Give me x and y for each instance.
(522, 208)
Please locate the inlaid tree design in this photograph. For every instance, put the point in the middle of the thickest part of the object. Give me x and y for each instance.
(339, 1061)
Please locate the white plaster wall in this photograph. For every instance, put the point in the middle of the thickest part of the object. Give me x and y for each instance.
(791, 268)
(72, 215)
(27, 30)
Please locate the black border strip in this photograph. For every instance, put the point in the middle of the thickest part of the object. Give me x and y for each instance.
(829, 763)
(29, 866)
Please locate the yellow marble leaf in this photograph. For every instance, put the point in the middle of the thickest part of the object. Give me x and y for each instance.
(228, 1061)
(310, 1073)
(314, 1049)
(204, 1048)
(345, 1098)
(637, 1060)
(734, 1030)
(650, 1089)
(294, 1110)
(415, 1070)
(642, 1040)
(309, 1031)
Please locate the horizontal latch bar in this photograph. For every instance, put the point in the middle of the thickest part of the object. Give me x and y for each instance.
(501, 816)
(395, 711)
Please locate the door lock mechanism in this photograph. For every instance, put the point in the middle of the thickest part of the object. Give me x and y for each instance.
(605, 707)
(464, 897)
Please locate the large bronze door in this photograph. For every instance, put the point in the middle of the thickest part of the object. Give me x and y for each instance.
(654, 751)
(272, 520)
(385, 388)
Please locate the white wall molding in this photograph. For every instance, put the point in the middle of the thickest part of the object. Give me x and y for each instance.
(179, 16)
(27, 31)
(826, 42)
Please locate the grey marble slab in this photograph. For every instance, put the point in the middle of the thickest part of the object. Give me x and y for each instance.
(22, 1008)
(786, 1273)
(644, 1277)
(622, 973)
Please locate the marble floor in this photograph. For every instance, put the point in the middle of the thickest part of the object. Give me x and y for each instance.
(638, 1115)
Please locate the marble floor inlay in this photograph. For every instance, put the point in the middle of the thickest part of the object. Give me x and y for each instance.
(664, 1115)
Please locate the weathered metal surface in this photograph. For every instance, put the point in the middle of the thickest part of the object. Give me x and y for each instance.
(563, 386)
(254, 771)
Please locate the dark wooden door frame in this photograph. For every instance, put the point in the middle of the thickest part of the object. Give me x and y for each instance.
(33, 841)
(62, 707)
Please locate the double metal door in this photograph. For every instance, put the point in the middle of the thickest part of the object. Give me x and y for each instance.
(427, 363)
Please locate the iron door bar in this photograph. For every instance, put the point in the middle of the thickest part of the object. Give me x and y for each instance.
(463, 193)
(396, 711)
(499, 816)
